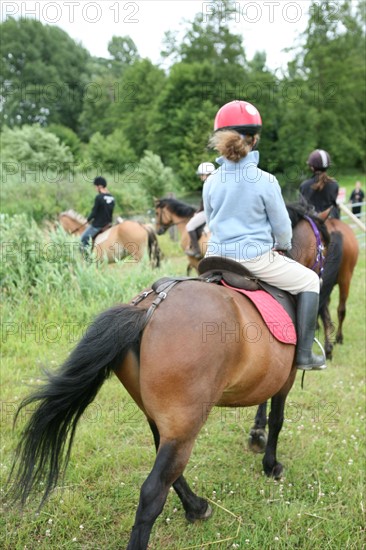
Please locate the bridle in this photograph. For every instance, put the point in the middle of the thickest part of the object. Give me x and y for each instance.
(163, 227)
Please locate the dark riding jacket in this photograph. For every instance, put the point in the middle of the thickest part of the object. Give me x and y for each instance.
(102, 210)
(321, 200)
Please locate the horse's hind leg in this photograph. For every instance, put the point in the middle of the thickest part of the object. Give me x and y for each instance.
(328, 330)
(195, 507)
(257, 436)
(275, 421)
(341, 311)
(170, 462)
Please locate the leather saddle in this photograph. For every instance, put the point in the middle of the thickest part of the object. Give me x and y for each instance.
(216, 268)
(105, 228)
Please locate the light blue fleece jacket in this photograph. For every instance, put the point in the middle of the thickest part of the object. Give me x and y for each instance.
(245, 210)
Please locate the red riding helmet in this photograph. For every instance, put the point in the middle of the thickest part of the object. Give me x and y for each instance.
(319, 159)
(240, 116)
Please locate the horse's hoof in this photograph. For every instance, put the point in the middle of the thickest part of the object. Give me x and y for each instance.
(275, 472)
(257, 440)
(206, 515)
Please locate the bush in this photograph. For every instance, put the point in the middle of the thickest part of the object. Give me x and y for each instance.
(35, 147)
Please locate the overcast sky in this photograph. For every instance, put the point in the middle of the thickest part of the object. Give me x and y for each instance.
(267, 25)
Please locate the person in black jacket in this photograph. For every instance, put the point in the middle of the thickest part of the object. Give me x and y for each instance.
(102, 212)
(356, 198)
(321, 190)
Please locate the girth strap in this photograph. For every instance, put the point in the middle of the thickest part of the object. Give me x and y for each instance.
(161, 288)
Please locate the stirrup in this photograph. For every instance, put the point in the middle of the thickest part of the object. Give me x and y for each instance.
(193, 253)
(324, 366)
(309, 367)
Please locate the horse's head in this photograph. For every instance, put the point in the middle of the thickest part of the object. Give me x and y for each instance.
(163, 217)
(169, 211)
(72, 222)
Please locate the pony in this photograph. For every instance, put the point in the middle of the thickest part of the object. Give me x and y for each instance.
(174, 350)
(126, 238)
(341, 259)
(172, 212)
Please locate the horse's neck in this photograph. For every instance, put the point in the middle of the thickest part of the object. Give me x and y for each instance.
(71, 225)
(180, 223)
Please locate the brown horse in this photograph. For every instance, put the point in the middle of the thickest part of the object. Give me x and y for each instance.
(126, 238)
(341, 258)
(343, 242)
(176, 354)
(170, 212)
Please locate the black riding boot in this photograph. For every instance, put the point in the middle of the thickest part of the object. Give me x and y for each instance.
(195, 250)
(306, 317)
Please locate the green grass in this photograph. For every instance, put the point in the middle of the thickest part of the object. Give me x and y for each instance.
(319, 503)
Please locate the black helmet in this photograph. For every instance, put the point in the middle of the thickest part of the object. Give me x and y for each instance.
(319, 160)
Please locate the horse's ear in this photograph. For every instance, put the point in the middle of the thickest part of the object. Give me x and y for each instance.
(324, 215)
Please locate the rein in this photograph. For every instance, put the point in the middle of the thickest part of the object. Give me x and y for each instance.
(319, 259)
(77, 229)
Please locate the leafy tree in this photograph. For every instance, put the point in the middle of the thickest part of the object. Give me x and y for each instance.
(208, 38)
(111, 153)
(123, 50)
(181, 102)
(68, 137)
(115, 82)
(43, 74)
(332, 63)
(135, 100)
(97, 116)
(155, 178)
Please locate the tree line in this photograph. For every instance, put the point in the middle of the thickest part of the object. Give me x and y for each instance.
(113, 112)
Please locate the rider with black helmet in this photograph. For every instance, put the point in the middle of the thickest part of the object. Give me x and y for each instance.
(321, 190)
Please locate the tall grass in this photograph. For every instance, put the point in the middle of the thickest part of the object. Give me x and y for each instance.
(319, 503)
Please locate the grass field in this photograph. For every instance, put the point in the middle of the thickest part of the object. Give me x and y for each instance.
(319, 503)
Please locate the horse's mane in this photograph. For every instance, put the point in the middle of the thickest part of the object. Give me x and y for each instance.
(297, 212)
(177, 207)
(74, 216)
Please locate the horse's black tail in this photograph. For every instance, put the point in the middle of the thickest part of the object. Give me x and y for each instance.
(155, 253)
(331, 268)
(44, 449)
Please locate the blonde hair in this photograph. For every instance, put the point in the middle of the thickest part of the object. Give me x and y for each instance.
(231, 144)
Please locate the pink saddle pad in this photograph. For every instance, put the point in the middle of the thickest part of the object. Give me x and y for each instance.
(274, 315)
